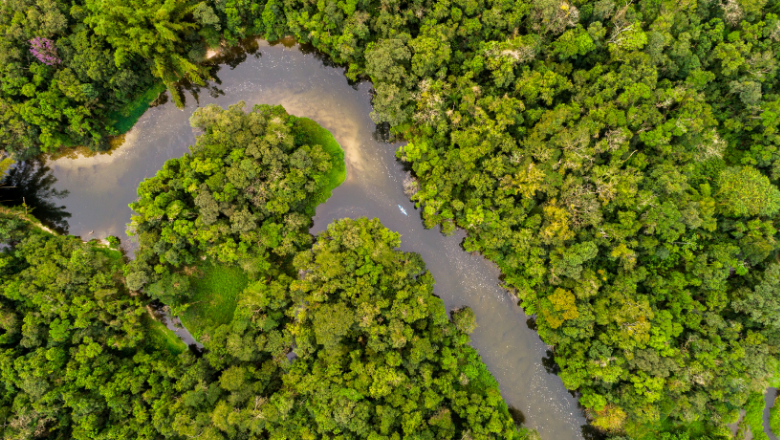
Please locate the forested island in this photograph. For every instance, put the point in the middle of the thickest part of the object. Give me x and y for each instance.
(617, 160)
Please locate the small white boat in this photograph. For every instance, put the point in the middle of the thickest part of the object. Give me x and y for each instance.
(402, 210)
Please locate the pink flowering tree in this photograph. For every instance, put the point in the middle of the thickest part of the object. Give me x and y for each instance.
(44, 50)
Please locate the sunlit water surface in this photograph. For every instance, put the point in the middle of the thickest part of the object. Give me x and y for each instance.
(100, 187)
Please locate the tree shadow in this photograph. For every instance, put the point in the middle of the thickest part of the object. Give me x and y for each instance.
(549, 364)
(195, 90)
(517, 416)
(591, 433)
(383, 134)
(327, 61)
(230, 56)
(31, 183)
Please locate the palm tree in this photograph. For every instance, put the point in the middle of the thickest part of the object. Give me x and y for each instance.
(154, 31)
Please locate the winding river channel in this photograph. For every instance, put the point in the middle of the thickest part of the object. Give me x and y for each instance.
(95, 190)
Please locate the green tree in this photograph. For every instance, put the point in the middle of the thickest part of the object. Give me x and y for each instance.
(154, 31)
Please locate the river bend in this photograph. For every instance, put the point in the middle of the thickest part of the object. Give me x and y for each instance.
(100, 187)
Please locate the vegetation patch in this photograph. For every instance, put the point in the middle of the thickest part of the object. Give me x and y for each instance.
(66, 315)
(125, 118)
(18, 218)
(244, 194)
(160, 337)
(340, 337)
(308, 132)
(669, 428)
(215, 291)
(754, 416)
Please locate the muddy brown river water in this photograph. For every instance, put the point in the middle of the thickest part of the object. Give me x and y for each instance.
(100, 187)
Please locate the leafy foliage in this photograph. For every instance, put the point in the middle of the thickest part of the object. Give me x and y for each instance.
(214, 292)
(241, 196)
(774, 418)
(358, 347)
(44, 50)
(72, 354)
(68, 67)
(666, 436)
(754, 416)
(618, 160)
(46, 104)
(154, 32)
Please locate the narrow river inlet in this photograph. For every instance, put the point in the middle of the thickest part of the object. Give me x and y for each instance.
(100, 187)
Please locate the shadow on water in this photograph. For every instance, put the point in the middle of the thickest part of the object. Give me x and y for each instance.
(233, 56)
(162, 99)
(228, 56)
(195, 90)
(517, 416)
(383, 134)
(162, 313)
(32, 183)
(548, 362)
(322, 57)
(591, 433)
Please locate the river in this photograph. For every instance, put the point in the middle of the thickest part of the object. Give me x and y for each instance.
(95, 191)
(769, 401)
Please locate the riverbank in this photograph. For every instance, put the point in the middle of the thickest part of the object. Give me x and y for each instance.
(771, 414)
(22, 214)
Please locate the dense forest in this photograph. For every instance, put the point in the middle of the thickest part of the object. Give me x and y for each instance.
(618, 160)
(79, 363)
(335, 337)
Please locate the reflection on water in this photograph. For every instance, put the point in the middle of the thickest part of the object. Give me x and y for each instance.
(76, 152)
(102, 186)
(591, 433)
(548, 362)
(33, 184)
